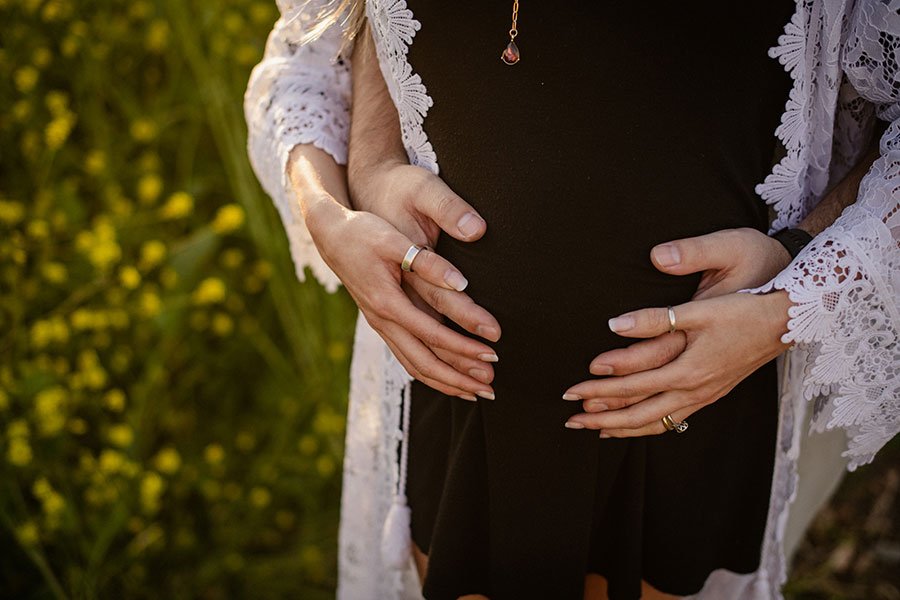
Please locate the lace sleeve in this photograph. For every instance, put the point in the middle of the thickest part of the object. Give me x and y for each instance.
(845, 283)
(298, 93)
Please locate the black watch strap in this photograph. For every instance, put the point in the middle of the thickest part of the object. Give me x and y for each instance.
(793, 239)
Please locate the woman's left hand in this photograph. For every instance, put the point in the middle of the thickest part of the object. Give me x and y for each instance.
(726, 338)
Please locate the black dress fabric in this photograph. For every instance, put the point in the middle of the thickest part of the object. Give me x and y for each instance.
(624, 125)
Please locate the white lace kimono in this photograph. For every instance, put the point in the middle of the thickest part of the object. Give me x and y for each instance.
(840, 383)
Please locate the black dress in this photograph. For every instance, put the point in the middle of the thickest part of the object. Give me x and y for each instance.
(624, 125)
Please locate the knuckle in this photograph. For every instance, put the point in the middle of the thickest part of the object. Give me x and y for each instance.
(445, 204)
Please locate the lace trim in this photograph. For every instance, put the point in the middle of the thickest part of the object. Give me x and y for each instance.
(394, 29)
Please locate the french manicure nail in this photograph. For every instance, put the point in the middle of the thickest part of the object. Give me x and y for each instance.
(468, 397)
(455, 280)
(479, 374)
(488, 357)
(488, 332)
(468, 224)
(604, 435)
(574, 425)
(485, 394)
(601, 370)
(667, 255)
(568, 396)
(621, 323)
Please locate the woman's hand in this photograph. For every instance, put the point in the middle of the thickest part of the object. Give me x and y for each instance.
(366, 252)
(727, 338)
(730, 260)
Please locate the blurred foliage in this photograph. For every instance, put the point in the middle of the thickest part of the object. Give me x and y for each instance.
(171, 398)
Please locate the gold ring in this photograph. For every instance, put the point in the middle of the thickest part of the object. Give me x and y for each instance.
(671, 319)
(411, 254)
(669, 423)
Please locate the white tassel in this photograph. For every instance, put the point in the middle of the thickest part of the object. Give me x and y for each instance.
(396, 536)
(396, 540)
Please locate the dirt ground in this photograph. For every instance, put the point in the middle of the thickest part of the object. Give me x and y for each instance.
(852, 549)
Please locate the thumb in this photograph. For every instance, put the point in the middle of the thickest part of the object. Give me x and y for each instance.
(691, 255)
(452, 214)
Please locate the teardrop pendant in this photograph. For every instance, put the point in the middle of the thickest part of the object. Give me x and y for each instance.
(511, 55)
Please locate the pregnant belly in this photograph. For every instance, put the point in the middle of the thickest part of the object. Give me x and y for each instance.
(554, 271)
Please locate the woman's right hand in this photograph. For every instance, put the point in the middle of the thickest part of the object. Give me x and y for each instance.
(365, 251)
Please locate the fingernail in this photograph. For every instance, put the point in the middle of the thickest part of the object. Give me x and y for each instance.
(488, 357)
(468, 397)
(599, 406)
(468, 224)
(480, 375)
(605, 435)
(568, 396)
(601, 370)
(488, 332)
(484, 394)
(574, 425)
(455, 280)
(621, 323)
(667, 255)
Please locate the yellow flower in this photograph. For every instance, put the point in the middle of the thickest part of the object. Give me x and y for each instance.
(49, 409)
(26, 78)
(152, 253)
(54, 272)
(308, 445)
(157, 36)
(21, 110)
(41, 57)
(231, 258)
(228, 218)
(167, 460)
(222, 324)
(325, 465)
(114, 400)
(130, 277)
(260, 497)
(149, 188)
(210, 290)
(214, 454)
(111, 461)
(179, 204)
(144, 130)
(120, 435)
(38, 229)
(57, 103)
(104, 253)
(28, 533)
(58, 130)
(150, 304)
(95, 162)
(11, 212)
(245, 441)
(152, 487)
(19, 452)
(78, 426)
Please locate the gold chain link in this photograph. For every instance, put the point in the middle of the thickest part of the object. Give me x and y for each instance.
(515, 15)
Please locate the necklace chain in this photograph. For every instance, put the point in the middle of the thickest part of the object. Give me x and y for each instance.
(511, 54)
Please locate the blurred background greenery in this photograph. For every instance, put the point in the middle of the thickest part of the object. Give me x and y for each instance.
(171, 399)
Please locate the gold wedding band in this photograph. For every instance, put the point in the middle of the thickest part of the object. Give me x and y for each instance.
(411, 254)
(669, 423)
(671, 319)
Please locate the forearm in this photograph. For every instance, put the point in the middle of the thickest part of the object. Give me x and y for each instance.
(840, 197)
(375, 136)
(319, 184)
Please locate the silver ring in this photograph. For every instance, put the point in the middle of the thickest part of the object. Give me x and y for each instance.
(411, 254)
(671, 319)
(669, 423)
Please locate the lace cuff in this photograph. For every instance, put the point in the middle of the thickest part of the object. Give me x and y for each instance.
(297, 94)
(844, 286)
